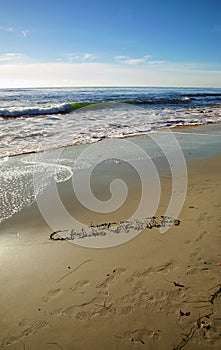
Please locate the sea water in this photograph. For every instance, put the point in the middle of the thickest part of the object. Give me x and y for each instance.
(33, 120)
(37, 125)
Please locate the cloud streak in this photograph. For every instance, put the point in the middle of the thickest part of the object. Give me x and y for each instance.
(137, 60)
(132, 61)
(12, 57)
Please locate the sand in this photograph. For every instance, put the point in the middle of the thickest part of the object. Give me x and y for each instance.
(157, 291)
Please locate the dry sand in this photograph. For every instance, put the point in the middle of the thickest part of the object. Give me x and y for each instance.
(154, 292)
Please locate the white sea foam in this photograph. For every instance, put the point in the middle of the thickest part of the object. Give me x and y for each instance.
(87, 125)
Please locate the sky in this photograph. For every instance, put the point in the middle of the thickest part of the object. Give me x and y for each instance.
(110, 43)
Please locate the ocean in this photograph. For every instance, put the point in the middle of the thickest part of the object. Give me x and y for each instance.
(37, 125)
(33, 120)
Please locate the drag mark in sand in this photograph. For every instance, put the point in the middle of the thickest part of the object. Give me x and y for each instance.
(215, 295)
(212, 299)
(70, 272)
(200, 323)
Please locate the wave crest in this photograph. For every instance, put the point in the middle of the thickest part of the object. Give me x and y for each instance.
(25, 112)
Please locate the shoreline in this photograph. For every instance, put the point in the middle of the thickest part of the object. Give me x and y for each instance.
(177, 128)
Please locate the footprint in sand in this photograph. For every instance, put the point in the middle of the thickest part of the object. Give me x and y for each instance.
(204, 218)
(53, 293)
(149, 271)
(141, 335)
(82, 311)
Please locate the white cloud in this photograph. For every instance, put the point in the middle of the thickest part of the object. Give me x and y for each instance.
(80, 57)
(12, 57)
(138, 61)
(132, 61)
(157, 62)
(120, 58)
(100, 74)
(88, 56)
(135, 61)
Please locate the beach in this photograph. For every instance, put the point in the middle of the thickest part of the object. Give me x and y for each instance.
(156, 291)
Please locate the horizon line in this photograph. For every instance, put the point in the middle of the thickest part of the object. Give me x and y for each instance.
(112, 86)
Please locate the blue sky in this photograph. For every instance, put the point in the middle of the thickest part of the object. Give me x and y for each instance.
(142, 42)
